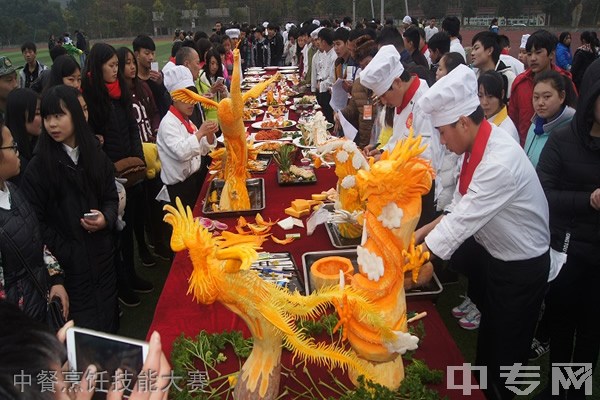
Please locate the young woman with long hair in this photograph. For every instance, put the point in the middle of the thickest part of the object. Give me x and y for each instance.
(70, 184)
(25, 123)
(492, 98)
(64, 71)
(111, 117)
(149, 212)
(209, 81)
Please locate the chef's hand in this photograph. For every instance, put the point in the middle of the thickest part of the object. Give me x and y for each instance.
(347, 85)
(371, 150)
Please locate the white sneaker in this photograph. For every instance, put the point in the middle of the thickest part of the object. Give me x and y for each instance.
(463, 308)
(471, 320)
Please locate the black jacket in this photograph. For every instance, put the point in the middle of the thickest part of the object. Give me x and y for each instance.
(119, 129)
(20, 225)
(276, 45)
(86, 258)
(569, 170)
(581, 61)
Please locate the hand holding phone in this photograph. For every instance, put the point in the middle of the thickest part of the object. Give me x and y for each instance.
(93, 221)
(220, 79)
(154, 66)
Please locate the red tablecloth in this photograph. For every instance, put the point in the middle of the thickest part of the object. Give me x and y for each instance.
(177, 313)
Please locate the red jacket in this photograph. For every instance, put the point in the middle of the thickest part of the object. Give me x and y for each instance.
(520, 106)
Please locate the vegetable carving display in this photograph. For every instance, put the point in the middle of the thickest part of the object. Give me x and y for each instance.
(230, 112)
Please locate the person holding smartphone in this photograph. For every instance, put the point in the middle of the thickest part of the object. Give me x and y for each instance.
(70, 184)
(212, 81)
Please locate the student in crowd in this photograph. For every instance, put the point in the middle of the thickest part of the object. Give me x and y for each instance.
(498, 190)
(485, 56)
(24, 122)
(21, 242)
(290, 49)
(323, 71)
(412, 40)
(145, 52)
(8, 81)
(181, 144)
(174, 49)
(202, 47)
(32, 68)
(69, 177)
(517, 66)
(447, 63)
(423, 48)
(64, 71)
(360, 111)
(212, 81)
(451, 25)
(245, 47)
(276, 44)
(41, 82)
(147, 119)
(310, 34)
(568, 171)
(261, 51)
(344, 64)
(540, 52)
(228, 59)
(493, 102)
(494, 26)
(430, 29)
(111, 116)
(551, 105)
(564, 58)
(584, 56)
(438, 45)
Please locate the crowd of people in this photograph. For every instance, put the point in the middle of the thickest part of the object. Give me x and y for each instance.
(92, 147)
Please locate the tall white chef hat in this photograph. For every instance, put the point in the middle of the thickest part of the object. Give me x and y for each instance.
(382, 70)
(316, 22)
(315, 34)
(451, 97)
(233, 33)
(524, 39)
(178, 77)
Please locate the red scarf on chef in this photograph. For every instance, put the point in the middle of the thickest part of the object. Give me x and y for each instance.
(189, 126)
(410, 93)
(424, 49)
(472, 160)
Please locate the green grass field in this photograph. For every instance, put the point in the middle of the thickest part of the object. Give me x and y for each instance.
(163, 51)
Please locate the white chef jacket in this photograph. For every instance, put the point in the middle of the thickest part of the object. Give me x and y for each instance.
(456, 47)
(504, 209)
(323, 71)
(421, 126)
(517, 66)
(178, 150)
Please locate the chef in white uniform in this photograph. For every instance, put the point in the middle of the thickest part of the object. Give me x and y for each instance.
(500, 203)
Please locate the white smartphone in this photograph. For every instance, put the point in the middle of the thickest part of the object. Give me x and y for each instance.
(108, 353)
(154, 66)
(91, 216)
(220, 79)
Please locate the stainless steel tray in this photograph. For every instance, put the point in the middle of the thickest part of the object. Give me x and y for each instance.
(256, 191)
(429, 291)
(295, 281)
(337, 240)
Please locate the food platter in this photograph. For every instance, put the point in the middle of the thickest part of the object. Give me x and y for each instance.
(292, 179)
(274, 124)
(279, 269)
(269, 147)
(256, 192)
(430, 290)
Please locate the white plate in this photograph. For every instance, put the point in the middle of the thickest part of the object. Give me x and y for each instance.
(287, 103)
(302, 146)
(252, 138)
(271, 68)
(314, 106)
(257, 125)
(288, 67)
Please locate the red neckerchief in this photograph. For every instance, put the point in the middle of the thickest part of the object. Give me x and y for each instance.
(473, 159)
(504, 51)
(172, 59)
(410, 93)
(424, 49)
(189, 126)
(114, 90)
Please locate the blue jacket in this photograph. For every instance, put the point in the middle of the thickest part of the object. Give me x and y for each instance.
(564, 59)
(535, 143)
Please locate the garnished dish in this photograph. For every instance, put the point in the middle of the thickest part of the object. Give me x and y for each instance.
(253, 103)
(276, 111)
(271, 134)
(274, 123)
(250, 114)
(267, 147)
(296, 175)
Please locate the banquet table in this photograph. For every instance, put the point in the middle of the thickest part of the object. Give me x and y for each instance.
(177, 313)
